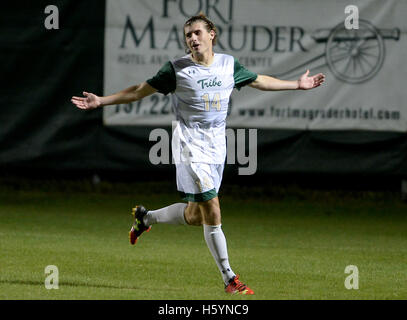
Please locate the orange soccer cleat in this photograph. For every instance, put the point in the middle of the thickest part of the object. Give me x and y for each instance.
(237, 287)
(138, 226)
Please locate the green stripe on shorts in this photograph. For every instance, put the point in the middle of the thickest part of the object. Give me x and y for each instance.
(199, 197)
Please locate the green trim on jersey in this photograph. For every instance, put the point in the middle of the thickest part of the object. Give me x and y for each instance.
(164, 81)
(200, 197)
(242, 76)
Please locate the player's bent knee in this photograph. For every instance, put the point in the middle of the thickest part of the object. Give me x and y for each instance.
(193, 220)
(193, 215)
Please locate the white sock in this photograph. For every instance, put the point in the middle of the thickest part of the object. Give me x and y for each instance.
(173, 214)
(216, 241)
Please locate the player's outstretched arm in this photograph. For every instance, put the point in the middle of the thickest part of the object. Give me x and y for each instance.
(305, 82)
(134, 93)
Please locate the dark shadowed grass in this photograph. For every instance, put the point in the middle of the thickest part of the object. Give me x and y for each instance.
(287, 243)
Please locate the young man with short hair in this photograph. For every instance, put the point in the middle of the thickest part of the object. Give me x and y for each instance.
(201, 83)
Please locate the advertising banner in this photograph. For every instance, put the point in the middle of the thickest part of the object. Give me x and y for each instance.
(360, 48)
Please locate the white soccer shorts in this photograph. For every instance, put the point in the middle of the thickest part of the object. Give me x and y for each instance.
(198, 182)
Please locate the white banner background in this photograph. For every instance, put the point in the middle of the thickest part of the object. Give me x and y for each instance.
(281, 38)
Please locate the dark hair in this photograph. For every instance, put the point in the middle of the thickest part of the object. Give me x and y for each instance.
(208, 24)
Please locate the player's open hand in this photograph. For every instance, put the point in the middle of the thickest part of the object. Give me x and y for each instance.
(306, 82)
(91, 101)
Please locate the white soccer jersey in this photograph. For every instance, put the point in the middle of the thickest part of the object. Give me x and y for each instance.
(200, 97)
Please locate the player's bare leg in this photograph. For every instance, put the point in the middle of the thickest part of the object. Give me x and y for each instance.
(193, 214)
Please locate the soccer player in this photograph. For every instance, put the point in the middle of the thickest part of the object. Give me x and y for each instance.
(200, 83)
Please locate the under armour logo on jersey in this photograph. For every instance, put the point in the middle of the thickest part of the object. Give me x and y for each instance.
(191, 71)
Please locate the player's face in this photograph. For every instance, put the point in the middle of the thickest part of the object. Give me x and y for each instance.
(198, 39)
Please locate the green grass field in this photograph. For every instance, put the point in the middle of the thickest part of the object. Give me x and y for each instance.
(284, 247)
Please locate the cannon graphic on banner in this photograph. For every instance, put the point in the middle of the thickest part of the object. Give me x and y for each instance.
(352, 55)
